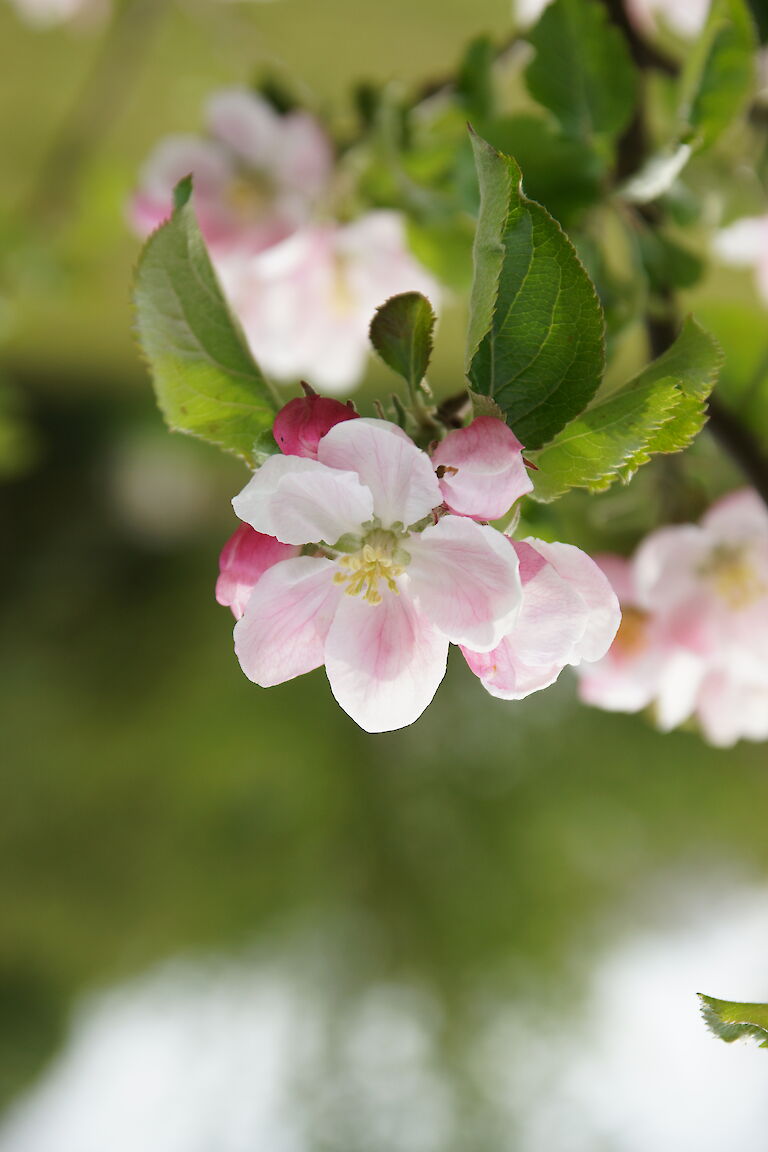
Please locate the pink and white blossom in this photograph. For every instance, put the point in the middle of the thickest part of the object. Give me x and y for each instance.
(306, 304)
(384, 584)
(481, 469)
(745, 242)
(301, 424)
(694, 637)
(258, 175)
(569, 615)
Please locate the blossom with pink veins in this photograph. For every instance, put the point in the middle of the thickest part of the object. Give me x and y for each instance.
(258, 175)
(306, 304)
(745, 242)
(385, 580)
(694, 638)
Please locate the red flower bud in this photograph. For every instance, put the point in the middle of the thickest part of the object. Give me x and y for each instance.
(302, 423)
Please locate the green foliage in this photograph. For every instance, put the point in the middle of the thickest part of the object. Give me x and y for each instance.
(474, 84)
(535, 342)
(660, 410)
(582, 70)
(401, 333)
(720, 74)
(206, 380)
(729, 1020)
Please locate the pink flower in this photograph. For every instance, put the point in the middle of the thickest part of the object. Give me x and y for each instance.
(694, 639)
(244, 559)
(301, 424)
(383, 585)
(306, 304)
(481, 469)
(745, 242)
(257, 175)
(569, 614)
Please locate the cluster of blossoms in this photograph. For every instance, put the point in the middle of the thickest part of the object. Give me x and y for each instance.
(303, 285)
(693, 641)
(364, 553)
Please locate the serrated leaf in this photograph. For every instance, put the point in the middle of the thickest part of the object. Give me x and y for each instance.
(206, 381)
(582, 70)
(720, 74)
(660, 410)
(535, 341)
(401, 332)
(730, 1020)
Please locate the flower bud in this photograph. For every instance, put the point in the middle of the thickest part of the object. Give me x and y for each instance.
(301, 424)
(245, 558)
(481, 469)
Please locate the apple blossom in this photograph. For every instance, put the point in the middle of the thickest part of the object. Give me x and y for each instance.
(258, 174)
(384, 584)
(306, 304)
(745, 242)
(694, 640)
(569, 614)
(481, 469)
(301, 424)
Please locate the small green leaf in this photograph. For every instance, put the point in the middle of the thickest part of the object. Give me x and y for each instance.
(660, 410)
(582, 70)
(401, 333)
(535, 342)
(720, 74)
(206, 380)
(729, 1020)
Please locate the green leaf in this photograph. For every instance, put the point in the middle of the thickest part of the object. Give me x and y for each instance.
(730, 1020)
(401, 333)
(720, 74)
(535, 342)
(206, 380)
(660, 410)
(582, 70)
(474, 82)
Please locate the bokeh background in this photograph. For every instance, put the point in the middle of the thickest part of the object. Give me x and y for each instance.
(230, 921)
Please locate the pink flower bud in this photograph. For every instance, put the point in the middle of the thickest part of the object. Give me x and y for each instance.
(481, 469)
(245, 557)
(301, 424)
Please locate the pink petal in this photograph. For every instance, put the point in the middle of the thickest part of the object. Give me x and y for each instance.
(302, 423)
(490, 474)
(730, 709)
(245, 557)
(384, 661)
(246, 123)
(172, 160)
(286, 621)
(582, 575)
(739, 515)
(304, 160)
(465, 578)
(301, 501)
(398, 474)
(505, 676)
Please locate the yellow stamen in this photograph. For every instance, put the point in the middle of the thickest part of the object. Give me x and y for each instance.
(631, 637)
(363, 570)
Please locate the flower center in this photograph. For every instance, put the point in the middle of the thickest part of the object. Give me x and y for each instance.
(250, 196)
(380, 559)
(733, 576)
(631, 637)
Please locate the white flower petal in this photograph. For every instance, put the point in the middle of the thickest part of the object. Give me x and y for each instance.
(283, 631)
(300, 501)
(466, 580)
(399, 475)
(384, 661)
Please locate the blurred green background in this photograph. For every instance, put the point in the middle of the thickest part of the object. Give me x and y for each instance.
(153, 802)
